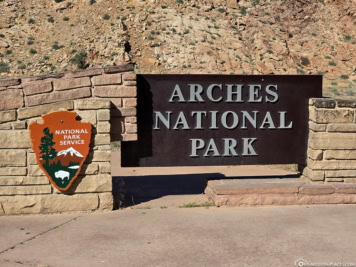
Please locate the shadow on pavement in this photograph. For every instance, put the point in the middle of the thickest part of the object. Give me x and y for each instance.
(133, 190)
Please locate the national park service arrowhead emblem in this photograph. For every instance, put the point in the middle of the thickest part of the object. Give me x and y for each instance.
(61, 144)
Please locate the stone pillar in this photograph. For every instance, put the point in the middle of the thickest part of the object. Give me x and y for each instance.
(24, 188)
(105, 97)
(331, 154)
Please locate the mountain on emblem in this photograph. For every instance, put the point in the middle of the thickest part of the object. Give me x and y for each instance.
(61, 145)
(71, 151)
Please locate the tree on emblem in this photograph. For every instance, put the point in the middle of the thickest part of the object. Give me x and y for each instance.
(47, 150)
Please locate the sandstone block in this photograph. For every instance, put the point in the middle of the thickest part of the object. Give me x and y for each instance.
(105, 201)
(317, 127)
(130, 102)
(316, 189)
(25, 190)
(123, 112)
(129, 76)
(23, 180)
(46, 77)
(35, 170)
(32, 159)
(15, 171)
(322, 103)
(28, 204)
(130, 128)
(346, 103)
(315, 154)
(350, 180)
(131, 120)
(6, 116)
(130, 83)
(116, 102)
(19, 125)
(11, 99)
(314, 175)
(65, 84)
(5, 126)
(117, 125)
(92, 104)
(25, 113)
(332, 141)
(102, 139)
(105, 167)
(66, 203)
(340, 154)
(101, 156)
(129, 137)
(15, 139)
(332, 164)
(89, 169)
(103, 127)
(37, 88)
(104, 115)
(52, 203)
(9, 82)
(12, 157)
(342, 173)
(331, 116)
(342, 188)
(343, 128)
(115, 91)
(107, 79)
(326, 199)
(58, 96)
(87, 116)
(119, 68)
(83, 73)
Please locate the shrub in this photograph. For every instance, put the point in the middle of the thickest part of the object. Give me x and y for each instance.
(30, 42)
(21, 66)
(46, 58)
(31, 21)
(221, 10)
(4, 67)
(344, 77)
(106, 17)
(332, 63)
(56, 46)
(92, 2)
(179, 1)
(1, 35)
(58, 1)
(8, 52)
(66, 19)
(347, 37)
(33, 51)
(243, 10)
(80, 59)
(51, 19)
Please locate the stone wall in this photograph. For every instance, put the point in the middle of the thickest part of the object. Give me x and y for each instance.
(104, 97)
(331, 154)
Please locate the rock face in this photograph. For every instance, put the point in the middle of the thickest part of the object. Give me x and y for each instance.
(223, 37)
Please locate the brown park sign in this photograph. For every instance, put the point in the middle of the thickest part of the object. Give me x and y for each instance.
(187, 120)
(61, 144)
